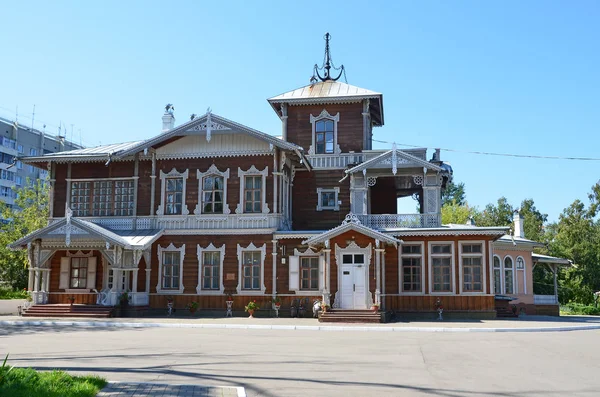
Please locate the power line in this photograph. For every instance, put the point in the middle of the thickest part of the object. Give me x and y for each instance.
(530, 156)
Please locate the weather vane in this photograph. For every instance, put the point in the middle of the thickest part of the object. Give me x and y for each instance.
(327, 66)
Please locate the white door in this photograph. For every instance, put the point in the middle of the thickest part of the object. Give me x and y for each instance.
(352, 285)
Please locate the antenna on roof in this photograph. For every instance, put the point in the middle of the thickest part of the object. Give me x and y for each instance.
(327, 66)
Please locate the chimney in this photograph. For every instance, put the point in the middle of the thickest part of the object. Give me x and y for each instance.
(518, 219)
(168, 118)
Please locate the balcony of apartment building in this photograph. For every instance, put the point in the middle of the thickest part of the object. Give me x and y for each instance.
(385, 178)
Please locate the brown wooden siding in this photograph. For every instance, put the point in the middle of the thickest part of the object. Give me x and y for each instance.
(60, 190)
(55, 270)
(305, 199)
(350, 126)
(449, 302)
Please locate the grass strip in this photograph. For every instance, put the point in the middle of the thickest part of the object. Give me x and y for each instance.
(27, 382)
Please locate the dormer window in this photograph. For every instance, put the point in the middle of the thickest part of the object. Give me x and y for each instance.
(324, 134)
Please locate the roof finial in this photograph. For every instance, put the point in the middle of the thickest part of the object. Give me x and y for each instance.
(327, 65)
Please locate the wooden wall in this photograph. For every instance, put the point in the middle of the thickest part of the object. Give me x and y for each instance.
(55, 269)
(350, 125)
(450, 303)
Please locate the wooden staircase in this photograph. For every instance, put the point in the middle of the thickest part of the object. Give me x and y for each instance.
(349, 316)
(62, 310)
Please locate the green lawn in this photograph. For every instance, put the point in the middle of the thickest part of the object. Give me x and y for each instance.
(7, 293)
(26, 382)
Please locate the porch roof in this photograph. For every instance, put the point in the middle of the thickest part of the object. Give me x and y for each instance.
(75, 228)
(352, 223)
(384, 160)
(539, 258)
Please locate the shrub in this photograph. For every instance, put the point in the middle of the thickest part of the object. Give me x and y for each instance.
(578, 308)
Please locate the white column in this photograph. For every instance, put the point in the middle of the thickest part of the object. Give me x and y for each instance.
(148, 280)
(36, 283)
(153, 184)
(383, 280)
(274, 253)
(134, 281)
(275, 178)
(327, 275)
(284, 118)
(378, 253)
(31, 276)
(116, 280)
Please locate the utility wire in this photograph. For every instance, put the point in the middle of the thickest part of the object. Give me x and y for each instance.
(530, 156)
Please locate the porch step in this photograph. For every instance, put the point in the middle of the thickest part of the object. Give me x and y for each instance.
(87, 311)
(505, 312)
(349, 316)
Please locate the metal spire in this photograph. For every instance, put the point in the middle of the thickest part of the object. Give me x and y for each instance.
(327, 65)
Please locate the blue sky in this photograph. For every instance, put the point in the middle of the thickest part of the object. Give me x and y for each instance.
(515, 77)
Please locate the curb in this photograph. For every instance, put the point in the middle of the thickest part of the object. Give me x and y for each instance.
(241, 392)
(109, 324)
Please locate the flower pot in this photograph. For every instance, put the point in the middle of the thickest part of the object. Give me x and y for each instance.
(375, 308)
(251, 312)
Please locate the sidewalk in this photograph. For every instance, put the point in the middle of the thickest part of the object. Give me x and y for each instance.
(526, 324)
(127, 389)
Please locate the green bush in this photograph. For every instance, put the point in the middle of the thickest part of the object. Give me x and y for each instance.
(9, 293)
(578, 308)
(26, 382)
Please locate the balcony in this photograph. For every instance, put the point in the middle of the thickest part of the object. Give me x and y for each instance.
(334, 161)
(192, 222)
(398, 221)
(544, 300)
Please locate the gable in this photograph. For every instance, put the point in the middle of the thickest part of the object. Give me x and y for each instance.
(221, 144)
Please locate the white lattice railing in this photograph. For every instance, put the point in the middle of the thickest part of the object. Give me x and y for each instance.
(394, 221)
(230, 221)
(544, 300)
(329, 161)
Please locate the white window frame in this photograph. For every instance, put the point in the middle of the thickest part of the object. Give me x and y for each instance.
(212, 170)
(452, 265)
(200, 253)
(513, 269)
(320, 191)
(170, 248)
(401, 271)
(298, 254)
(313, 120)
(482, 255)
(524, 273)
(163, 187)
(252, 171)
(501, 276)
(240, 255)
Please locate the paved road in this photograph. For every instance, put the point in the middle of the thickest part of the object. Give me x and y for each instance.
(270, 363)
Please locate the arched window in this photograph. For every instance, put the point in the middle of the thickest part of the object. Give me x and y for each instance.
(497, 275)
(508, 275)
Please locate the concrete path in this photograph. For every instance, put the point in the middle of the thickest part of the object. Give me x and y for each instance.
(131, 389)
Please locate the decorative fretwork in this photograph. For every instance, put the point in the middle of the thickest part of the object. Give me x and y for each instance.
(395, 221)
(351, 218)
(371, 181)
(418, 180)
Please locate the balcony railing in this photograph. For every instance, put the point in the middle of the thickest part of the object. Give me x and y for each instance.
(544, 300)
(333, 161)
(396, 221)
(189, 222)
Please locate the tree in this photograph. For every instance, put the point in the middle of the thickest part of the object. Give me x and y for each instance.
(500, 214)
(455, 213)
(32, 214)
(454, 193)
(533, 221)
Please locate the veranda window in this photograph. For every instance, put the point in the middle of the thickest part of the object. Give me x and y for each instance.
(251, 270)
(472, 267)
(212, 189)
(441, 259)
(309, 273)
(497, 275)
(211, 261)
(411, 268)
(174, 196)
(102, 198)
(253, 194)
(79, 273)
(170, 270)
(508, 276)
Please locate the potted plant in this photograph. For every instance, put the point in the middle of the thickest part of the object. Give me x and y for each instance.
(251, 307)
(277, 302)
(439, 308)
(324, 307)
(71, 299)
(124, 299)
(375, 307)
(192, 307)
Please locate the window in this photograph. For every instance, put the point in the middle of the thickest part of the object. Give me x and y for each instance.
(173, 188)
(170, 269)
(442, 268)
(19, 165)
(9, 143)
(520, 263)
(210, 270)
(212, 191)
(324, 137)
(328, 199)
(253, 197)
(309, 273)
(253, 194)
(18, 180)
(472, 270)
(6, 158)
(20, 148)
(251, 269)
(174, 196)
(33, 151)
(411, 268)
(7, 175)
(497, 275)
(324, 134)
(102, 198)
(79, 273)
(508, 276)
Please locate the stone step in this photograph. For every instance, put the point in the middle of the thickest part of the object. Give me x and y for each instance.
(79, 315)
